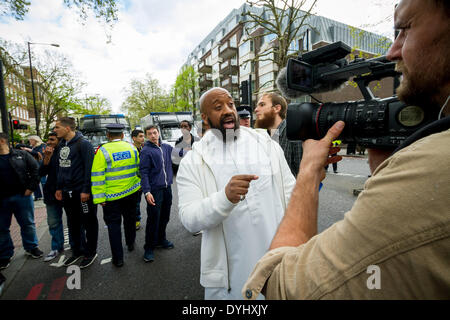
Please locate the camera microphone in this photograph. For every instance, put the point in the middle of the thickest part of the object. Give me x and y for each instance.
(282, 84)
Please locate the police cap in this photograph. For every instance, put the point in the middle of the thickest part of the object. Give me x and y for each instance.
(115, 127)
(244, 114)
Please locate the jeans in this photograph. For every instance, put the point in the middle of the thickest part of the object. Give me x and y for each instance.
(158, 217)
(55, 225)
(112, 214)
(23, 209)
(79, 222)
(38, 192)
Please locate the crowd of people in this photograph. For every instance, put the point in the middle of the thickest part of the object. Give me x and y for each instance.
(254, 194)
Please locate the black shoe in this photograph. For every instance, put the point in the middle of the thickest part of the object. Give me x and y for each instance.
(72, 260)
(131, 247)
(87, 261)
(118, 263)
(35, 253)
(4, 263)
(165, 245)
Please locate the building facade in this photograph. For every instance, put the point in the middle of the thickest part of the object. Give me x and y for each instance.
(237, 50)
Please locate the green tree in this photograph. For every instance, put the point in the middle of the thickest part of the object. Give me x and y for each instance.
(280, 23)
(103, 9)
(56, 93)
(145, 96)
(185, 89)
(94, 104)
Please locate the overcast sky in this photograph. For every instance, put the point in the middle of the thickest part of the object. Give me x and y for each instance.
(154, 36)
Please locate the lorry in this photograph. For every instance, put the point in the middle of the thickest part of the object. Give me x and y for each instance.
(93, 127)
(168, 124)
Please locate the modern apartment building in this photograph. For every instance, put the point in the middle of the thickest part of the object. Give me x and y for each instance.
(225, 59)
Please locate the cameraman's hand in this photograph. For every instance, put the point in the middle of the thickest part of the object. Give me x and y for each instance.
(376, 157)
(316, 152)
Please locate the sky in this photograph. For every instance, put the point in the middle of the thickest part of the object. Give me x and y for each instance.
(153, 36)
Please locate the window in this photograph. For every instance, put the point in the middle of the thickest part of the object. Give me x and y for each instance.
(307, 41)
(269, 38)
(266, 80)
(215, 53)
(266, 60)
(245, 48)
(220, 35)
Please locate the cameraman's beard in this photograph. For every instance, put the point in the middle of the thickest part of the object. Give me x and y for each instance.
(419, 88)
(268, 121)
(225, 134)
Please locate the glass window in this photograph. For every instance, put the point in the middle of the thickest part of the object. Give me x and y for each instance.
(266, 60)
(215, 52)
(266, 80)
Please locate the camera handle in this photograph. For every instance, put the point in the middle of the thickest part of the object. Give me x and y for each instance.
(364, 81)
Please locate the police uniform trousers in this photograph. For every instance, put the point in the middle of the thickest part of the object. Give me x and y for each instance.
(112, 215)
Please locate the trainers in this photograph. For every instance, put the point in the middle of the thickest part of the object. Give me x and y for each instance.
(118, 263)
(138, 225)
(35, 253)
(52, 255)
(87, 261)
(197, 233)
(148, 256)
(72, 260)
(4, 263)
(165, 245)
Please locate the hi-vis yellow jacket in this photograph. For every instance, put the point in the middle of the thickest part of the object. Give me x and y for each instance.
(115, 171)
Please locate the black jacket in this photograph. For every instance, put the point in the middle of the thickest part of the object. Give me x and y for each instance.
(26, 168)
(51, 171)
(75, 164)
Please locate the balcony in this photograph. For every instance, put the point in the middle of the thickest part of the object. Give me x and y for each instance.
(228, 49)
(205, 81)
(230, 83)
(204, 68)
(229, 67)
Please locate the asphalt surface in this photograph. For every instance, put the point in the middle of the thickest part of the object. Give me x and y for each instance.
(175, 273)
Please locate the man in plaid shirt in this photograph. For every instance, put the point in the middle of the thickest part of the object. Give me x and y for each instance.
(271, 115)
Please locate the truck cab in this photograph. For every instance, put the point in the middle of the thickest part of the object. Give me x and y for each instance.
(93, 127)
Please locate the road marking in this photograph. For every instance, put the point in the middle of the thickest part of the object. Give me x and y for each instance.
(35, 292)
(60, 262)
(105, 261)
(57, 289)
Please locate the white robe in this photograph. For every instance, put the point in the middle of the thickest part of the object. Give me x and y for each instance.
(252, 224)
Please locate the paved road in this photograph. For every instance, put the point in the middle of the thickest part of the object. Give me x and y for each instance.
(175, 273)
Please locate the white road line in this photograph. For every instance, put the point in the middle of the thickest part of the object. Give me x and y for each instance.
(105, 261)
(60, 262)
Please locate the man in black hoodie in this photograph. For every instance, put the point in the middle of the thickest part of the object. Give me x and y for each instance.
(18, 178)
(75, 156)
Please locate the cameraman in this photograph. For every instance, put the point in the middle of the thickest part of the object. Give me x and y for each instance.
(394, 243)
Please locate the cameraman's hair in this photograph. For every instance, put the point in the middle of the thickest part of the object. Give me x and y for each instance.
(445, 4)
(277, 99)
(4, 136)
(136, 132)
(152, 126)
(68, 122)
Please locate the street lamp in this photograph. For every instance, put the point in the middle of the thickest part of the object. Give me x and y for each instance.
(32, 82)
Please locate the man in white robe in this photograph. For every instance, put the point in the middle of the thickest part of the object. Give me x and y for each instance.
(234, 186)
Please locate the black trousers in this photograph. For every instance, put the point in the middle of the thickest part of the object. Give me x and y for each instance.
(158, 217)
(81, 225)
(112, 214)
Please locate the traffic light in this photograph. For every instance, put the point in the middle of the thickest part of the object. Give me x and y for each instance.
(16, 124)
(244, 92)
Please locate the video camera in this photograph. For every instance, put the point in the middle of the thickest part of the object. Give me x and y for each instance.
(372, 122)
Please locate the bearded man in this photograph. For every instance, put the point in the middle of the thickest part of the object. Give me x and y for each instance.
(271, 115)
(234, 186)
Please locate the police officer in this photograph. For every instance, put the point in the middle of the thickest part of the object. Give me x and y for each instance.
(115, 185)
(244, 118)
